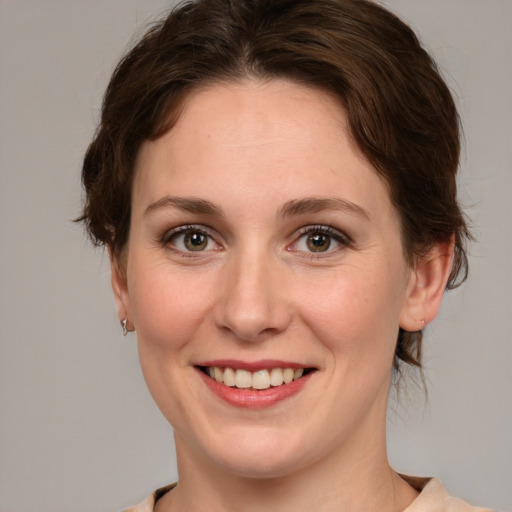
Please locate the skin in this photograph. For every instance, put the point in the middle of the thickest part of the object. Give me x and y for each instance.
(257, 291)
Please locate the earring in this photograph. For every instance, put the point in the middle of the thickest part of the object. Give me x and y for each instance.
(124, 326)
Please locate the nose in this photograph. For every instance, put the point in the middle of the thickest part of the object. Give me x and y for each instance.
(252, 304)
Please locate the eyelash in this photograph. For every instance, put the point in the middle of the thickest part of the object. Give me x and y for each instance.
(173, 234)
(339, 237)
(342, 239)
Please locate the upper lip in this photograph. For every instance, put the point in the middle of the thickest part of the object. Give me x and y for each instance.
(252, 366)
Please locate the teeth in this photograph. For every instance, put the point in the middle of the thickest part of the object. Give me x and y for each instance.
(229, 377)
(218, 375)
(262, 379)
(288, 375)
(276, 377)
(298, 373)
(243, 379)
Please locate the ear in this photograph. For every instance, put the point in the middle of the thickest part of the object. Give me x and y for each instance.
(426, 287)
(120, 289)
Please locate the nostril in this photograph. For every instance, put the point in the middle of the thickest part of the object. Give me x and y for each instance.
(250, 302)
(251, 334)
(251, 327)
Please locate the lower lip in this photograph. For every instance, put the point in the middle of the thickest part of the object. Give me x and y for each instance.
(252, 399)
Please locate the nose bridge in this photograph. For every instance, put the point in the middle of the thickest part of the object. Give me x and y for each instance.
(252, 304)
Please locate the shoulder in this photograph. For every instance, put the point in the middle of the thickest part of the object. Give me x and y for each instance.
(433, 497)
(148, 504)
(145, 506)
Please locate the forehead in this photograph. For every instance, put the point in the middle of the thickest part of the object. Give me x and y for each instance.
(260, 138)
(261, 109)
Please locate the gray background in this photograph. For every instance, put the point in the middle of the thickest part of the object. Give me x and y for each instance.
(78, 430)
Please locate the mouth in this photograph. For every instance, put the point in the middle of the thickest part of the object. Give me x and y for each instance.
(259, 380)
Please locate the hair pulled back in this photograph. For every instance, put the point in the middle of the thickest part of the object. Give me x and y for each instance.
(400, 112)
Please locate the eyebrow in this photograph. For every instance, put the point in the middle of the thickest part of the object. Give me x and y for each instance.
(315, 205)
(292, 208)
(186, 204)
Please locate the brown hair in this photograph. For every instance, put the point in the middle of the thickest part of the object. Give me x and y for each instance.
(401, 113)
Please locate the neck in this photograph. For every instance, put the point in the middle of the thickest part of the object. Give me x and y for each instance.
(359, 479)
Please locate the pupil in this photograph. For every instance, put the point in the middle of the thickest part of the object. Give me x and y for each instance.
(319, 242)
(195, 241)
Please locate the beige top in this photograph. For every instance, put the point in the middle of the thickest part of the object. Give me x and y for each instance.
(432, 498)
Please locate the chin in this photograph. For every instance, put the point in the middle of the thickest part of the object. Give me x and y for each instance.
(259, 455)
(263, 466)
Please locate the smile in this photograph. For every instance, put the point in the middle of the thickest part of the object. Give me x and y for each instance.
(257, 380)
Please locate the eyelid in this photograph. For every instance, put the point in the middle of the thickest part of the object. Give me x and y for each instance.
(339, 236)
(169, 234)
(343, 239)
(327, 229)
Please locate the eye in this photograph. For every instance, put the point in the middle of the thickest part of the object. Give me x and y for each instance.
(319, 239)
(190, 239)
(318, 242)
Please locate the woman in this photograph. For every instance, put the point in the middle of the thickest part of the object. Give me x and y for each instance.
(275, 183)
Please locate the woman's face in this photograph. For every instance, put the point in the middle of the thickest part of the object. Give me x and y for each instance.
(263, 244)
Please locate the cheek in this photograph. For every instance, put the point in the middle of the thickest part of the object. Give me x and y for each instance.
(356, 315)
(167, 306)
(168, 309)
